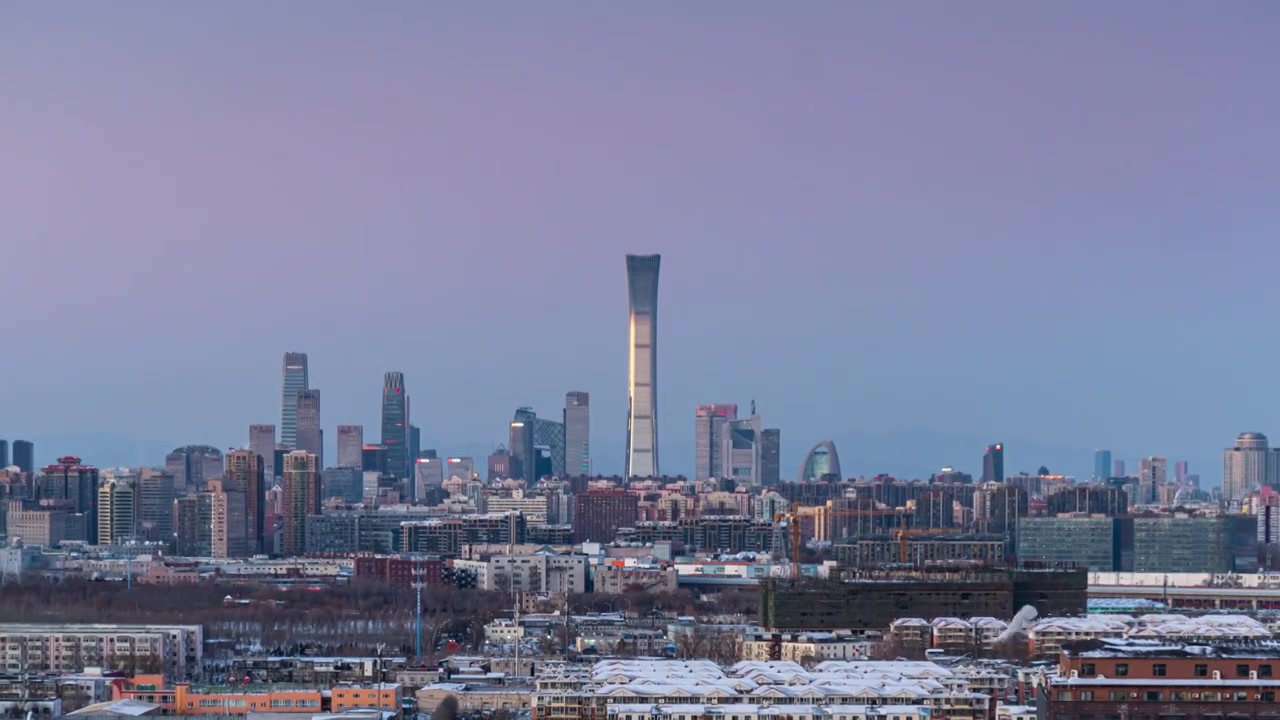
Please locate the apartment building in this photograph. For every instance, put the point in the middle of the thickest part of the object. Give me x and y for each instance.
(26, 647)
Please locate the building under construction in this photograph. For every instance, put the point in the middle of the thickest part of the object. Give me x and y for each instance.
(872, 599)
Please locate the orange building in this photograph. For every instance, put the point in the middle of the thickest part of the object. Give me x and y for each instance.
(186, 699)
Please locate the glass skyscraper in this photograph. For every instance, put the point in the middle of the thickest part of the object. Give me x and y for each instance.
(1101, 465)
(395, 424)
(642, 401)
(577, 433)
(295, 381)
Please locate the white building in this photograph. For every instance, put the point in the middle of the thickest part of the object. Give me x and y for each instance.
(1248, 466)
(29, 646)
(543, 571)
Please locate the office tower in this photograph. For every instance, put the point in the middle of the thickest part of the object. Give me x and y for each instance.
(395, 424)
(4, 454)
(770, 456)
(351, 446)
(1117, 469)
(993, 463)
(597, 514)
(577, 433)
(262, 442)
(1101, 465)
(75, 486)
(309, 436)
(24, 455)
(228, 522)
(822, 462)
(415, 443)
(1152, 472)
(537, 447)
(295, 381)
(708, 438)
(343, 483)
(642, 401)
(1249, 466)
(301, 497)
(192, 465)
(154, 501)
(373, 458)
(1268, 517)
(740, 451)
(499, 464)
(246, 474)
(117, 505)
(463, 468)
(428, 473)
(1180, 472)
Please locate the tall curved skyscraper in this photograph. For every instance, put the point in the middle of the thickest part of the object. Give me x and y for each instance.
(820, 462)
(642, 405)
(395, 424)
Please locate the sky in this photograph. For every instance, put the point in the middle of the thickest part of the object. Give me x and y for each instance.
(912, 228)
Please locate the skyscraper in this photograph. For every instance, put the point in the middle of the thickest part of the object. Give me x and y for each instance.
(246, 474)
(577, 433)
(78, 485)
(822, 462)
(395, 424)
(1249, 466)
(117, 519)
(310, 437)
(350, 445)
(4, 454)
(741, 451)
(415, 443)
(1152, 472)
(301, 497)
(295, 381)
(1101, 465)
(993, 463)
(154, 500)
(262, 442)
(192, 465)
(1117, 469)
(642, 401)
(770, 456)
(708, 436)
(537, 446)
(228, 521)
(24, 455)
(1180, 472)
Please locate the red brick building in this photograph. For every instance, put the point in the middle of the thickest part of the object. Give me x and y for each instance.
(400, 571)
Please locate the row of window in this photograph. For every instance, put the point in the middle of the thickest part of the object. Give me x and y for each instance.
(1173, 696)
(1162, 670)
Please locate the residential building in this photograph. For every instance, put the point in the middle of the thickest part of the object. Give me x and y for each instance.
(597, 514)
(155, 496)
(117, 506)
(25, 647)
(74, 486)
(642, 403)
(246, 474)
(1152, 474)
(301, 498)
(36, 526)
(1249, 466)
(708, 430)
(295, 380)
(541, 572)
(351, 446)
(395, 424)
(229, 520)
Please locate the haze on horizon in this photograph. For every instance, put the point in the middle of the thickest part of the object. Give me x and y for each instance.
(910, 228)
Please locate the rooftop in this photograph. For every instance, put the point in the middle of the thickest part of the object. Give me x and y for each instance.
(1130, 647)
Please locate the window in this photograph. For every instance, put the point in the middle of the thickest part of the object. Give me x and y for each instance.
(1159, 670)
(1264, 671)
(1202, 670)
(1064, 695)
(1242, 671)
(1269, 696)
(1088, 670)
(1086, 695)
(1152, 696)
(1122, 669)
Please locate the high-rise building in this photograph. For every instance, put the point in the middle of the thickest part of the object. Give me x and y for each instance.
(350, 446)
(4, 454)
(310, 438)
(537, 446)
(117, 506)
(373, 458)
(708, 434)
(499, 464)
(993, 463)
(642, 402)
(740, 451)
(415, 442)
(1249, 466)
(1101, 465)
(597, 514)
(76, 485)
(427, 473)
(770, 457)
(295, 381)
(155, 496)
(1117, 469)
(192, 465)
(1180, 472)
(1152, 473)
(246, 474)
(262, 442)
(228, 511)
(24, 455)
(343, 482)
(463, 468)
(577, 433)
(395, 424)
(822, 462)
(301, 497)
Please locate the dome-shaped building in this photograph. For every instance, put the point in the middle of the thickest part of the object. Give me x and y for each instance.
(821, 461)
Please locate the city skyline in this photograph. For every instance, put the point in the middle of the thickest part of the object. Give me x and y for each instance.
(885, 193)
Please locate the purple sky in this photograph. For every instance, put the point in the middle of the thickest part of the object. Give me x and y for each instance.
(911, 227)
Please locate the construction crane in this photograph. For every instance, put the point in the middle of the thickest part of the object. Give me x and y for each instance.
(792, 518)
(904, 534)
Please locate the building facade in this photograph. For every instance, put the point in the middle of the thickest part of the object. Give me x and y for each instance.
(246, 474)
(350, 446)
(262, 442)
(301, 498)
(395, 424)
(577, 433)
(295, 380)
(708, 436)
(1249, 466)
